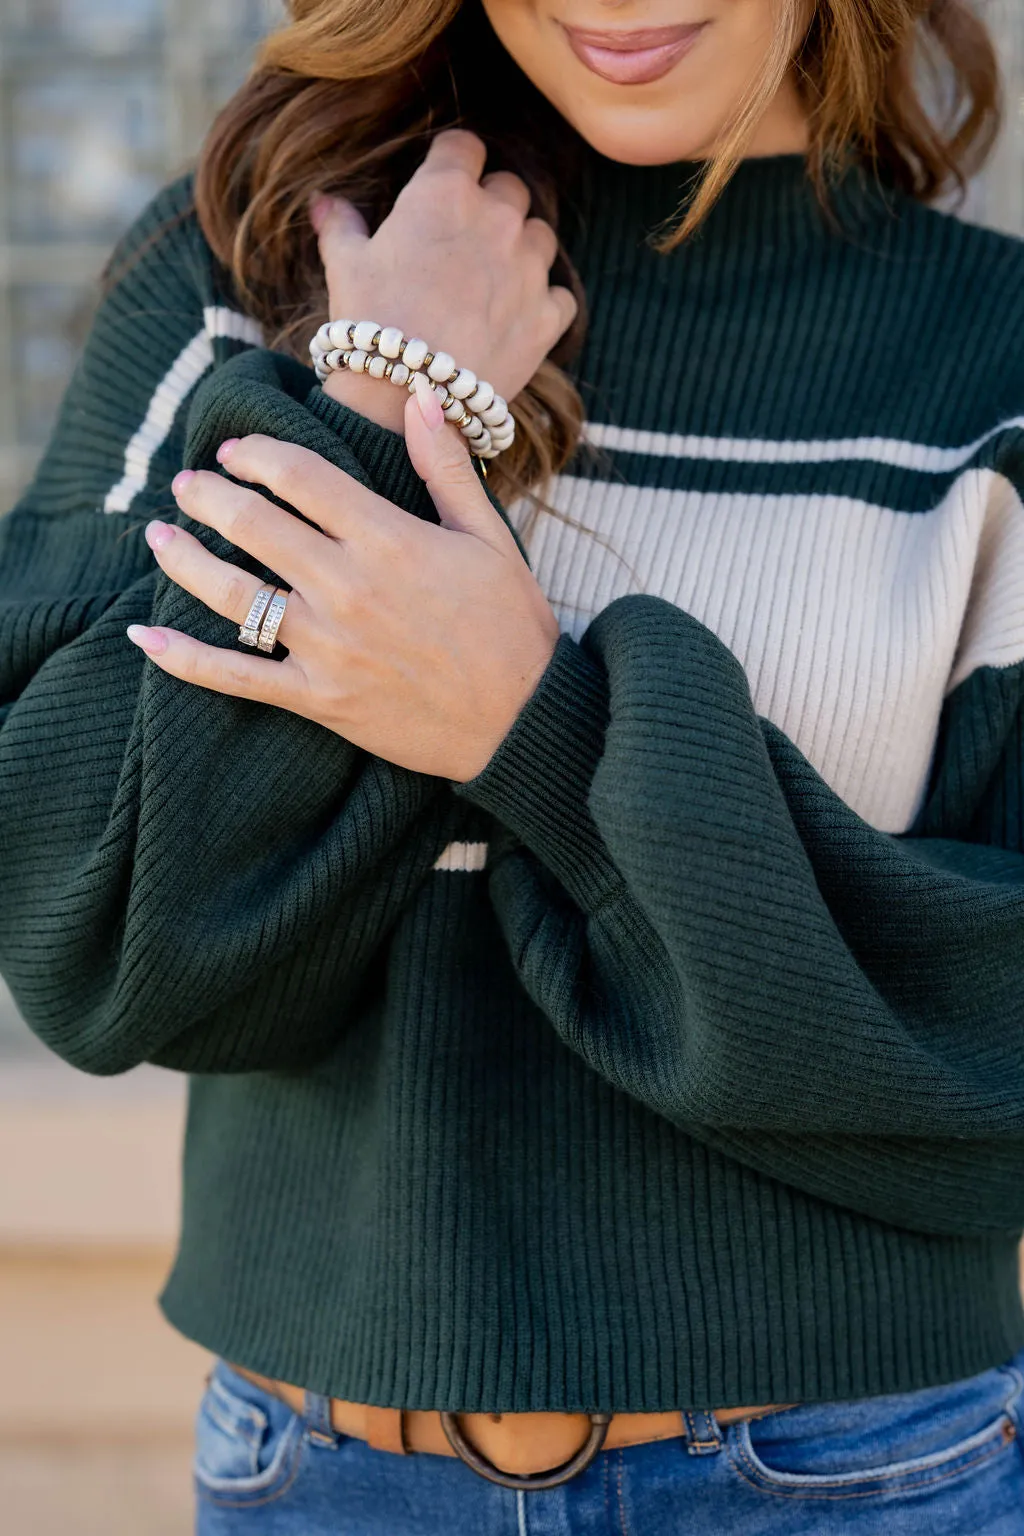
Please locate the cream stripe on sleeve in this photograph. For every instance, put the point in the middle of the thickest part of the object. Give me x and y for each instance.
(169, 396)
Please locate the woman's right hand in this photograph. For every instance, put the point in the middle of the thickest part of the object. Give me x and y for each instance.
(458, 262)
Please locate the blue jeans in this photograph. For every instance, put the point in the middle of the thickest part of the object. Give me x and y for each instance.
(947, 1461)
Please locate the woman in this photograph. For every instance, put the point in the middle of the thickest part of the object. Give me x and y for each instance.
(600, 977)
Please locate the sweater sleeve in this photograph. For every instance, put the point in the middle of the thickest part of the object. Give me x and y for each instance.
(189, 878)
(718, 934)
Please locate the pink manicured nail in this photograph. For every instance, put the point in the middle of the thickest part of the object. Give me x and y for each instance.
(429, 404)
(158, 534)
(182, 479)
(226, 449)
(152, 641)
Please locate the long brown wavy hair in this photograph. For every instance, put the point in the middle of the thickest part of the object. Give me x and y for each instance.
(346, 95)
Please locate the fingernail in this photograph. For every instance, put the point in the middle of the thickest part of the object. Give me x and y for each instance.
(319, 207)
(226, 449)
(182, 479)
(158, 534)
(152, 641)
(429, 404)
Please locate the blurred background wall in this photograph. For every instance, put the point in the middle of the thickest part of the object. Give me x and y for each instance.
(100, 102)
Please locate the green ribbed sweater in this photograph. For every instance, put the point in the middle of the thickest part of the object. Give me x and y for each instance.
(677, 1059)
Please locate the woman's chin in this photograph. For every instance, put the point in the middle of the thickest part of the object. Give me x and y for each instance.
(636, 141)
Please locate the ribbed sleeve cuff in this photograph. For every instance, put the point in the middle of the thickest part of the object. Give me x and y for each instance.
(381, 453)
(539, 778)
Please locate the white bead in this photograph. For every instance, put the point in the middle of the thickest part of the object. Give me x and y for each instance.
(399, 374)
(442, 367)
(489, 453)
(390, 344)
(339, 333)
(334, 359)
(482, 442)
(502, 439)
(494, 413)
(455, 411)
(464, 385)
(358, 361)
(473, 428)
(375, 367)
(481, 398)
(322, 340)
(414, 352)
(364, 333)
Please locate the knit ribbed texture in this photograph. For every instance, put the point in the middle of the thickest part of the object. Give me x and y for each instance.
(676, 1060)
(787, 518)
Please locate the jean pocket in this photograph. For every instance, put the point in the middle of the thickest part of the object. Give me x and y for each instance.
(882, 1446)
(248, 1444)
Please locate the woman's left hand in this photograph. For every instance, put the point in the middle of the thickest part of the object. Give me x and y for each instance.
(418, 643)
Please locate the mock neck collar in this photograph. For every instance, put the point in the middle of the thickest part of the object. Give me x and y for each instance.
(769, 202)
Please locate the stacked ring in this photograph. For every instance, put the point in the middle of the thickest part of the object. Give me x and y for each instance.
(272, 622)
(249, 633)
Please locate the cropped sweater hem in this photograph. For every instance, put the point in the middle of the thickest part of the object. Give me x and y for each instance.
(868, 1315)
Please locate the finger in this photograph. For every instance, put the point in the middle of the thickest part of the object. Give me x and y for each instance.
(250, 522)
(337, 222)
(541, 238)
(208, 666)
(509, 189)
(336, 502)
(564, 309)
(455, 149)
(442, 460)
(221, 586)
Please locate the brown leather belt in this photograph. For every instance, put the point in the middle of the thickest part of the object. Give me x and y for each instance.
(523, 1449)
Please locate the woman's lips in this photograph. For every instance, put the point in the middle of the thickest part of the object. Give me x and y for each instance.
(632, 58)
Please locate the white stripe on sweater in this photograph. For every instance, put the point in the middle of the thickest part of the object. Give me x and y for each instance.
(743, 450)
(232, 325)
(169, 396)
(853, 622)
(462, 858)
(194, 360)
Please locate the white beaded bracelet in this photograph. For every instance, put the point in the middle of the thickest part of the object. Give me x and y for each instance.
(383, 352)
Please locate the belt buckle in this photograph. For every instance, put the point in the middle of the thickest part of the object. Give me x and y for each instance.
(527, 1482)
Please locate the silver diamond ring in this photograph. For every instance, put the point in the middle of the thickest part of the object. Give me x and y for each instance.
(249, 633)
(272, 622)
